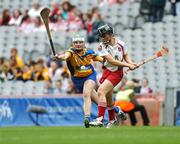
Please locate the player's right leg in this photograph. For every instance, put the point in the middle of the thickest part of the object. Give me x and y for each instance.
(119, 114)
(82, 87)
(94, 97)
(103, 89)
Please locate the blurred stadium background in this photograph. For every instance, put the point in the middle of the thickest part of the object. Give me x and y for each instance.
(30, 80)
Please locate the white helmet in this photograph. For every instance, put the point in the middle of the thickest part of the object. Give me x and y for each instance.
(78, 38)
(78, 42)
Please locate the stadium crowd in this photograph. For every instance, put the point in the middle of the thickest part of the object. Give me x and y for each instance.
(63, 17)
(51, 72)
(67, 17)
(54, 73)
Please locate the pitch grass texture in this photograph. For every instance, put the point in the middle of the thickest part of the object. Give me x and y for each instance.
(80, 135)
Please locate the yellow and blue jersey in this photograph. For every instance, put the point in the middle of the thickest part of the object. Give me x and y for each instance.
(80, 65)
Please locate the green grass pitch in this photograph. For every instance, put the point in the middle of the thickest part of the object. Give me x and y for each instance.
(80, 135)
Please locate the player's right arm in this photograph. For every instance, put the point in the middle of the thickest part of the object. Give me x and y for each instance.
(63, 56)
(102, 51)
(115, 62)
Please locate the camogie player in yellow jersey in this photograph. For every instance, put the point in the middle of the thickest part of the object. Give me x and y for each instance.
(83, 75)
(79, 61)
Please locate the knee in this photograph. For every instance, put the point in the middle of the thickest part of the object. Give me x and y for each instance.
(110, 104)
(100, 93)
(86, 94)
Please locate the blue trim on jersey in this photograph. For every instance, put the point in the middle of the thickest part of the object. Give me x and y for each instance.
(91, 66)
(89, 51)
(79, 82)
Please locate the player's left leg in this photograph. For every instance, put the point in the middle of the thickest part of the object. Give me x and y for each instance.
(110, 106)
(89, 86)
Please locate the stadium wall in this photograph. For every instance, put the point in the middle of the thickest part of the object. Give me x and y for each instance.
(171, 107)
(61, 111)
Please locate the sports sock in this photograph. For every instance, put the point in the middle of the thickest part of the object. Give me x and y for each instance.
(116, 109)
(111, 113)
(101, 109)
(87, 117)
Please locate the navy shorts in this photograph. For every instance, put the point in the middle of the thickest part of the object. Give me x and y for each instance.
(79, 82)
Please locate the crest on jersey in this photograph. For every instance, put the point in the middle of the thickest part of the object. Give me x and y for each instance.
(116, 57)
(119, 48)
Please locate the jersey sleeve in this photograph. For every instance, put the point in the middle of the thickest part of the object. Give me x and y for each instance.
(90, 52)
(125, 47)
(102, 51)
(69, 51)
(94, 56)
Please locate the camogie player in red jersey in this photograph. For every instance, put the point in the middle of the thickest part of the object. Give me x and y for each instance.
(114, 52)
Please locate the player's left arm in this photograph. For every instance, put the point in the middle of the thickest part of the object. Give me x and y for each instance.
(94, 56)
(98, 58)
(129, 60)
(127, 57)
